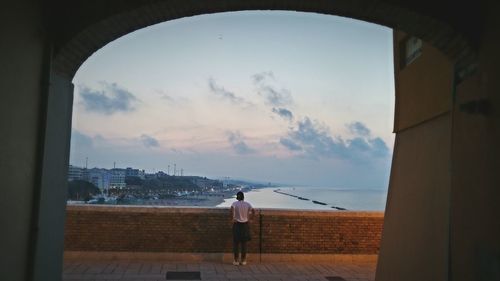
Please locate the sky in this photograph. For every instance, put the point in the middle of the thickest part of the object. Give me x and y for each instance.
(270, 96)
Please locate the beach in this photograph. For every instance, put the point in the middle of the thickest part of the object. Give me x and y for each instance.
(195, 200)
(200, 200)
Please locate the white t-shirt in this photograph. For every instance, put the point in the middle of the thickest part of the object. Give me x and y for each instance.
(241, 209)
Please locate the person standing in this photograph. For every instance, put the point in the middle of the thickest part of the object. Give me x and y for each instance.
(241, 212)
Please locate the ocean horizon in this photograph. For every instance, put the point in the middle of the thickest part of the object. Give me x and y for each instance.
(314, 198)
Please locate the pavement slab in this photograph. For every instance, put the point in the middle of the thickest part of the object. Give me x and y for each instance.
(76, 270)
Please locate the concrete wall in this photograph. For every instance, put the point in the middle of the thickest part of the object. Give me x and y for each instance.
(23, 77)
(445, 174)
(416, 228)
(415, 236)
(475, 194)
(35, 117)
(423, 88)
(52, 189)
(189, 230)
(81, 27)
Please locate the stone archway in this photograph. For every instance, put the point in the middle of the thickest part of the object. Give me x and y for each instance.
(76, 43)
(72, 31)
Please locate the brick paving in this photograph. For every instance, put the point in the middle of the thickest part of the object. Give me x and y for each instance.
(156, 270)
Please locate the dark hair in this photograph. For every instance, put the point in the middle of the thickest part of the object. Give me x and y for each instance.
(240, 196)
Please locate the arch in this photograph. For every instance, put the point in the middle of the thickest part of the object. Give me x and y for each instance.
(45, 43)
(86, 26)
(79, 39)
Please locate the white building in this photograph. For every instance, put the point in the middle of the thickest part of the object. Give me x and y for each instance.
(100, 178)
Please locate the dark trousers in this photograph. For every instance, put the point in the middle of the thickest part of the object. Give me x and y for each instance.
(240, 237)
(236, 248)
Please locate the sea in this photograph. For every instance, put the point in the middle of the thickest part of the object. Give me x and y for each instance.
(314, 198)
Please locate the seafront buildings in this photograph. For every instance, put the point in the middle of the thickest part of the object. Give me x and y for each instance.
(104, 178)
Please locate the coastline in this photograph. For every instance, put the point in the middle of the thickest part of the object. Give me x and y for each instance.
(196, 200)
(271, 197)
(204, 200)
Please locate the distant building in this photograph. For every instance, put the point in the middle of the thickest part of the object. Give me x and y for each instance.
(130, 172)
(74, 173)
(161, 174)
(206, 184)
(104, 178)
(118, 178)
(99, 177)
(85, 174)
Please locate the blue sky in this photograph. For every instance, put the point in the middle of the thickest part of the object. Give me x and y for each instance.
(283, 97)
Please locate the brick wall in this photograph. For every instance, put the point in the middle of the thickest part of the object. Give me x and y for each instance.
(208, 230)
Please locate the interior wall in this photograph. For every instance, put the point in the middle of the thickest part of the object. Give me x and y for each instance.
(423, 87)
(51, 212)
(475, 218)
(415, 235)
(21, 86)
(415, 238)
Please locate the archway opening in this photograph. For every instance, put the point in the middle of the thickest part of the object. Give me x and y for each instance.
(294, 102)
(70, 53)
(292, 107)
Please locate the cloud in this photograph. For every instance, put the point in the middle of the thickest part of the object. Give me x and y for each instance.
(290, 144)
(283, 112)
(173, 100)
(79, 140)
(358, 128)
(276, 97)
(364, 142)
(110, 100)
(168, 98)
(314, 140)
(238, 144)
(149, 141)
(264, 82)
(227, 95)
(379, 148)
(259, 77)
(359, 144)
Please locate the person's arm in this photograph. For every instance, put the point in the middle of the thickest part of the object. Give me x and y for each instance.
(251, 213)
(232, 213)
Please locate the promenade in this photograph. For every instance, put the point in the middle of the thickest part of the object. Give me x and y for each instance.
(157, 270)
(147, 243)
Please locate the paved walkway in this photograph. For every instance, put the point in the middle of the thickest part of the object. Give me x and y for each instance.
(123, 270)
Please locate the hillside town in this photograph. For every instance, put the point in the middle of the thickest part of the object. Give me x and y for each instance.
(135, 186)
